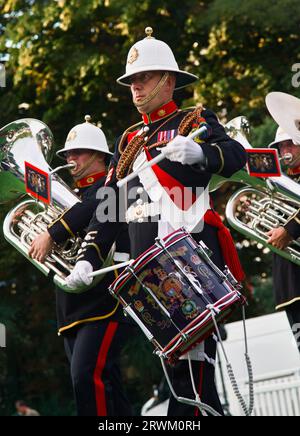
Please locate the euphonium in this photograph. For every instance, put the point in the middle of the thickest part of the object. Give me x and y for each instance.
(265, 203)
(31, 140)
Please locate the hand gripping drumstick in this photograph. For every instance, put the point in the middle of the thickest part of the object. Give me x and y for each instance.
(101, 271)
(204, 129)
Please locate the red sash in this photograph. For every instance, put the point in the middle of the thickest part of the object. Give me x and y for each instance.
(226, 242)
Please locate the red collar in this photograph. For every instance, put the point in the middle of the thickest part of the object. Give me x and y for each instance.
(162, 112)
(89, 180)
(293, 171)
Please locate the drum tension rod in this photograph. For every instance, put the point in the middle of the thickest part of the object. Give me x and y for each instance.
(220, 275)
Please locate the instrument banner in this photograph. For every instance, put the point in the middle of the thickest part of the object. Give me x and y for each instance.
(37, 183)
(263, 162)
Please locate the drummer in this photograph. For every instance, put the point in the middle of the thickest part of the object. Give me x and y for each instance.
(152, 74)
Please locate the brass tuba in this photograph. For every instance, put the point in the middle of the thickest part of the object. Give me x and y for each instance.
(31, 140)
(264, 203)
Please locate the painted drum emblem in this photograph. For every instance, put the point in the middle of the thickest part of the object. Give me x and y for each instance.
(195, 259)
(189, 308)
(139, 306)
(172, 288)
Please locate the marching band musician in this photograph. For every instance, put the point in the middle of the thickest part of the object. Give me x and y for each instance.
(286, 274)
(91, 323)
(152, 74)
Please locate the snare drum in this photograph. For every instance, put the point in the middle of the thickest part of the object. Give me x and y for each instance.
(171, 290)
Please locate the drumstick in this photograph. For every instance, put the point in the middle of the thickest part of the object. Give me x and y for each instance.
(160, 157)
(101, 271)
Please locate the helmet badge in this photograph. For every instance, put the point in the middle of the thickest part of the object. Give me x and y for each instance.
(133, 55)
(72, 135)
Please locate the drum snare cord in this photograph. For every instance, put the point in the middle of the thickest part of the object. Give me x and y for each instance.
(247, 409)
(197, 403)
(197, 396)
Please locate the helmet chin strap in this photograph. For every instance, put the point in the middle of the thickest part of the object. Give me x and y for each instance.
(154, 91)
(79, 174)
(294, 160)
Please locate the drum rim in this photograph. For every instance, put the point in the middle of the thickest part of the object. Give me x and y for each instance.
(231, 302)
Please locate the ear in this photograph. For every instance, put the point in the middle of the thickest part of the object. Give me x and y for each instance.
(171, 81)
(101, 156)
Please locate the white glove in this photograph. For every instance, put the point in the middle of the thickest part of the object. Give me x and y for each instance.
(184, 150)
(80, 275)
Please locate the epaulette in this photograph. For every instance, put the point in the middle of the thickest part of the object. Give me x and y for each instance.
(193, 108)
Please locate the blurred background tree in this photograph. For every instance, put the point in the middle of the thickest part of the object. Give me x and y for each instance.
(62, 58)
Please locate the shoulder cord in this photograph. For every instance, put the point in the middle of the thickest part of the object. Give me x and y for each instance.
(185, 126)
(135, 146)
(132, 150)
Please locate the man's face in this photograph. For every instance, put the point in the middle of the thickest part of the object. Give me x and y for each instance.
(287, 149)
(80, 157)
(142, 84)
(21, 409)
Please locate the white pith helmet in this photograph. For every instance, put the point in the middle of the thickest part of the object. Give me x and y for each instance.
(280, 136)
(150, 54)
(285, 110)
(85, 136)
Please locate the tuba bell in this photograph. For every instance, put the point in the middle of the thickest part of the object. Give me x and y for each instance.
(264, 203)
(30, 140)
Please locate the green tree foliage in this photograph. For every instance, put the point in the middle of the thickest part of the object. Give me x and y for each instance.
(62, 59)
(249, 51)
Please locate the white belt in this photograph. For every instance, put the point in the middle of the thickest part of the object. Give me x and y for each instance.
(137, 212)
(121, 257)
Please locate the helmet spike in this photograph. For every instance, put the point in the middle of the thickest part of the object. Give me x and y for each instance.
(149, 32)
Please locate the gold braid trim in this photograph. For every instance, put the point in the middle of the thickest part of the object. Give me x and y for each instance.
(66, 226)
(158, 144)
(191, 118)
(129, 154)
(131, 151)
(186, 125)
(130, 129)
